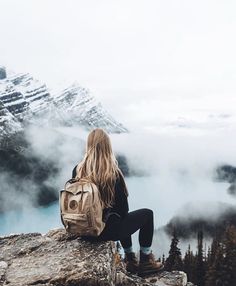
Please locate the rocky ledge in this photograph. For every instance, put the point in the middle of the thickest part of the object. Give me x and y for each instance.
(59, 259)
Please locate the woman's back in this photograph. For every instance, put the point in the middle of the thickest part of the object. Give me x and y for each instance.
(120, 205)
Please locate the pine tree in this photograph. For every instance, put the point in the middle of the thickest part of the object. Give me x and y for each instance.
(189, 264)
(200, 263)
(222, 272)
(214, 247)
(218, 268)
(163, 259)
(214, 272)
(208, 257)
(174, 260)
(228, 275)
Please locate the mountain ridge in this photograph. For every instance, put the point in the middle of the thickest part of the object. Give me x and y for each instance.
(24, 100)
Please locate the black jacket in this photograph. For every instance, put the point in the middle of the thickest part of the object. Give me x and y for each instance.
(120, 207)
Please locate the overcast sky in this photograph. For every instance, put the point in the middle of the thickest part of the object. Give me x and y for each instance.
(150, 62)
(163, 66)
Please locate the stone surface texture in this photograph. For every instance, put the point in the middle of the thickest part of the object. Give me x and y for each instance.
(59, 259)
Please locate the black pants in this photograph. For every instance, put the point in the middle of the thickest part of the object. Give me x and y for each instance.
(122, 229)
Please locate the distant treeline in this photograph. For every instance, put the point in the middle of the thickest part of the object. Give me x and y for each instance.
(188, 228)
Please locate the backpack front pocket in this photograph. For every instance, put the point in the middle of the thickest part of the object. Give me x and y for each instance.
(77, 223)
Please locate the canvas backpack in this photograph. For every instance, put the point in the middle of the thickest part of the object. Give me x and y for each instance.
(81, 208)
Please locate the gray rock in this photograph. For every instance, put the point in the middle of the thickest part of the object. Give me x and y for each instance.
(55, 259)
(59, 259)
(3, 268)
(174, 278)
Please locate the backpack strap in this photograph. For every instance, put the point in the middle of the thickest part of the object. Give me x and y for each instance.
(61, 210)
(71, 181)
(92, 191)
(82, 193)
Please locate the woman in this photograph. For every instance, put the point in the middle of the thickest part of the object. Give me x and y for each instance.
(100, 166)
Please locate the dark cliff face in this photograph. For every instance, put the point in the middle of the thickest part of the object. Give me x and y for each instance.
(27, 175)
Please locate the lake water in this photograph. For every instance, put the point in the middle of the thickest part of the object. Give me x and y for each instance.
(164, 197)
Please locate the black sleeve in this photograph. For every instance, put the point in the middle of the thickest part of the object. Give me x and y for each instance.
(74, 172)
(121, 201)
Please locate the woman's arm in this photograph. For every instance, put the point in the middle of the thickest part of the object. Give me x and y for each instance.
(121, 200)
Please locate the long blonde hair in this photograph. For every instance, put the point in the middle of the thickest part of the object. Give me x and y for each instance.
(100, 166)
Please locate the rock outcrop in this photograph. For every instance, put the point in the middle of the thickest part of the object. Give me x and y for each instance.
(62, 260)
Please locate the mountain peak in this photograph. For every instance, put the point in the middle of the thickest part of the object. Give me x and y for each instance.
(27, 99)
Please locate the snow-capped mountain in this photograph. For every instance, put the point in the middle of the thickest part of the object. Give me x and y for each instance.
(25, 99)
(77, 106)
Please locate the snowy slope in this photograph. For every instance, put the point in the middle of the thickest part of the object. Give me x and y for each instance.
(35, 93)
(78, 107)
(13, 100)
(8, 123)
(25, 99)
